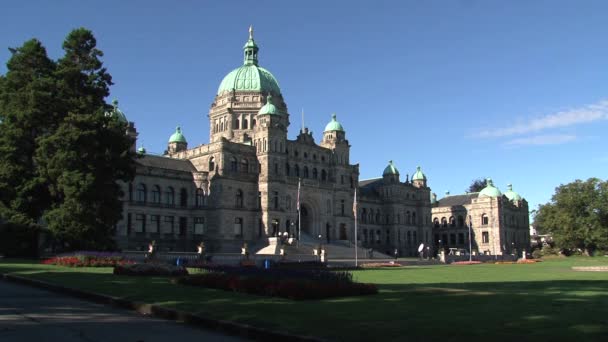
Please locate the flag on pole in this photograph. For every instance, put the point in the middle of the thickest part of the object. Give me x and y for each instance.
(298, 200)
(355, 205)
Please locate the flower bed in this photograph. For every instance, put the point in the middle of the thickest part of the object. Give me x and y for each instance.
(88, 259)
(527, 261)
(292, 284)
(151, 269)
(466, 263)
(381, 264)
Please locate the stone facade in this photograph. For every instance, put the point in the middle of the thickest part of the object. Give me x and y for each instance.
(499, 225)
(244, 185)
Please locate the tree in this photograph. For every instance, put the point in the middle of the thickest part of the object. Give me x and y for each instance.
(61, 157)
(577, 216)
(477, 185)
(26, 111)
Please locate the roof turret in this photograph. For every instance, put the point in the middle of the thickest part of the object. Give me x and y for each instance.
(334, 125)
(177, 137)
(117, 113)
(390, 169)
(269, 107)
(419, 175)
(490, 190)
(512, 195)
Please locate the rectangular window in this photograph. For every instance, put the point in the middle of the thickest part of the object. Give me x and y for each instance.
(238, 227)
(485, 237)
(452, 239)
(199, 225)
(461, 238)
(140, 223)
(154, 223)
(183, 226)
(168, 226)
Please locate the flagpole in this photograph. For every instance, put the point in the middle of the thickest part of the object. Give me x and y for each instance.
(299, 216)
(355, 213)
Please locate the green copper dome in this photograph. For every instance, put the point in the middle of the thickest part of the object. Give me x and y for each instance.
(334, 125)
(419, 175)
(141, 150)
(512, 195)
(390, 169)
(269, 107)
(250, 76)
(490, 190)
(177, 137)
(116, 112)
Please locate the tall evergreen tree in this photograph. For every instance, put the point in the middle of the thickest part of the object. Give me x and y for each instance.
(87, 153)
(61, 158)
(27, 101)
(477, 185)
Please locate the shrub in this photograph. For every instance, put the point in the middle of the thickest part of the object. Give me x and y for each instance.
(288, 284)
(88, 259)
(537, 254)
(151, 269)
(18, 240)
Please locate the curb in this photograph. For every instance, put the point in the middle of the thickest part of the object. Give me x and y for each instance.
(223, 326)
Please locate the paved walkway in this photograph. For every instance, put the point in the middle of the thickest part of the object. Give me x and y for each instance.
(29, 314)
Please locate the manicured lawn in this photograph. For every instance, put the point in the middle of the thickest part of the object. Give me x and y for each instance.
(542, 302)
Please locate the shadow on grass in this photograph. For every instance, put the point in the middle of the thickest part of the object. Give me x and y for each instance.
(528, 310)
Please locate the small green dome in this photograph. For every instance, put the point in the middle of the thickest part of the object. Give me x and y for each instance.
(177, 137)
(141, 150)
(334, 125)
(512, 195)
(419, 175)
(490, 190)
(269, 107)
(117, 113)
(390, 169)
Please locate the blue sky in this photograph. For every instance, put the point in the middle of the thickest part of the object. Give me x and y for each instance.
(513, 90)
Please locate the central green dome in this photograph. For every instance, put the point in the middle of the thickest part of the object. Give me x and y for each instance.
(250, 76)
(334, 125)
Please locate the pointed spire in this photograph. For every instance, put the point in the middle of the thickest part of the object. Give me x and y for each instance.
(251, 49)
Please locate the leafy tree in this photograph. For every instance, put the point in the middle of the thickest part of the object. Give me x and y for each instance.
(577, 216)
(477, 185)
(61, 157)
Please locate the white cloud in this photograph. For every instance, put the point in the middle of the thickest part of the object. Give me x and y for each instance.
(590, 113)
(542, 140)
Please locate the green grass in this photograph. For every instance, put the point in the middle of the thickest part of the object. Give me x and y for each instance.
(543, 301)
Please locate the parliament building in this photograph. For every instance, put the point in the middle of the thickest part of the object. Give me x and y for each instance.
(248, 182)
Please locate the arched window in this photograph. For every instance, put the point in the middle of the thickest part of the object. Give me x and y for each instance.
(436, 222)
(183, 197)
(328, 205)
(315, 174)
(239, 198)
(460, 221)
(444, 222)
(233, 164)
(296, 168)
(288, 202)
(484, 220)
(252, 123)
(211, 164)
(222, 126)
(364, 215)
(170, 196)
(305, 171)
(414, 218)
(370, 217)
(287, 169)
(200, 197)
(236, 124)
(244, 166)
(323, 175)
(156, 194)
(244, 123)
(141, 193)
(452, 221)
(408, 218)
(378, 220)
(409, 237)
(275, 199)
